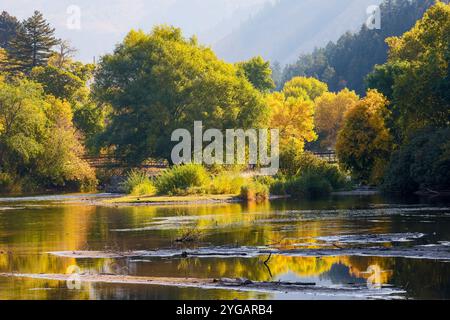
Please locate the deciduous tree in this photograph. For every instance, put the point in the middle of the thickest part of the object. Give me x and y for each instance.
(294, 117)
(161, 81)
(329, 115)
(304, 88)
(364, 144)
(258, 72)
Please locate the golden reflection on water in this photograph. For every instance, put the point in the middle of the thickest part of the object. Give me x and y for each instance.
(28, 234)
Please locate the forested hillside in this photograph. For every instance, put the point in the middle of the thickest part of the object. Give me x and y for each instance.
(280, 32)
(346, 62)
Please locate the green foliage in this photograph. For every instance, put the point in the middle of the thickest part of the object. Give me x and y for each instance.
(308, 176)
(160, 82)
(308, 185)
(138, 183)
(278, 187)
(183, 180)
(31, 47)
(422, 163)
(67, 80)
(37, 138)
(304, 88)
(346, 62)
(57, 82)
(309, 164)
(258, 72)
(416, 76)
(8, 30)
(289, 160)
(227, 183)
(364, 143)
(295, 163)
(255, 191)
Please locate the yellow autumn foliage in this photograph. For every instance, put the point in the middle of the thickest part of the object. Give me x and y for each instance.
(329, 115)
(364, 144)
(294, 117)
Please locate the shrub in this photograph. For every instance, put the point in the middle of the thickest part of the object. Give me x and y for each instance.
(311, 164)
(309, 185)
(227, 183)
(278, 187)
(6, 182)
(423, 162)
(138, 183)
(144, 189)
(267, 180)
(255, 191)
(183, 179)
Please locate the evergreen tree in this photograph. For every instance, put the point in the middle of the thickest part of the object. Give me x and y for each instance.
(8, 29)
(346, 62)
(32, 45)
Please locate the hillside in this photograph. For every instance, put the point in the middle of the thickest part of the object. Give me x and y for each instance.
(287, 28)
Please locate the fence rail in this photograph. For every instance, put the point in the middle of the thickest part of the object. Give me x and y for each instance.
(101, 162)
(329, 156)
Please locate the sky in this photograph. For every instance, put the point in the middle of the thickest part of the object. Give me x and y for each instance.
(104, 23)
(217, 23)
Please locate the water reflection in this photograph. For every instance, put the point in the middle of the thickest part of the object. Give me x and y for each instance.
(29, 230)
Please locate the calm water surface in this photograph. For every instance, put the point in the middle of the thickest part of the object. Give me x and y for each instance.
(31, 229)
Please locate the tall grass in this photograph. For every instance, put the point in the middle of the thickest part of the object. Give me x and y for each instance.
(183, 180)
(309, 185)
(138, 184)
(255, 191)
(227, 183)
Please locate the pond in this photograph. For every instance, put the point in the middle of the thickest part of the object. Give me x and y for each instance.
(338, 248)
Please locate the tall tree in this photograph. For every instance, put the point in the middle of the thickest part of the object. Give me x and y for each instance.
(416, 76)
(346, 62)
(304, 88)
(8, 29)
(364, 143)
(330, 110)
(32, 45)
(160, 82)
(294, 117)
(258, 72)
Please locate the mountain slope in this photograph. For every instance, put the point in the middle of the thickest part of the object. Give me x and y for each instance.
(280, 32)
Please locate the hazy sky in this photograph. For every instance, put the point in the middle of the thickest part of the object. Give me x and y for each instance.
(105, 22)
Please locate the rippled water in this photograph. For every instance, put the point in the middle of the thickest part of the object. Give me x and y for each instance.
(349, 247)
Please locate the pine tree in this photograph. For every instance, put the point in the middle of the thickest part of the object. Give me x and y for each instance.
(32, 45)
(8, 29)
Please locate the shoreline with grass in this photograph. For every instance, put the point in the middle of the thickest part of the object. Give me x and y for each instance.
(306, 177)
(127, 200)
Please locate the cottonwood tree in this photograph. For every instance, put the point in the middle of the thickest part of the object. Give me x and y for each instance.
(364, 144)
(304, 88)
(417, 75)
(161, 81)
(330, 109)
(258, 72)
(38, 141)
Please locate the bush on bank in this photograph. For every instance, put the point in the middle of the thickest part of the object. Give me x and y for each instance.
(423, 163)
(183, 180)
